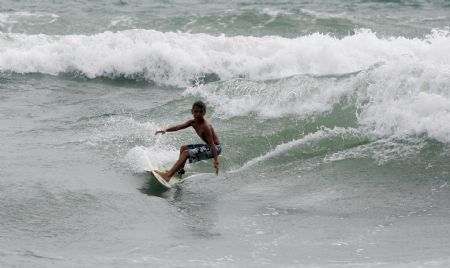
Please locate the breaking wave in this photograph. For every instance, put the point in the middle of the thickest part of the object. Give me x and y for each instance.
(184, 59)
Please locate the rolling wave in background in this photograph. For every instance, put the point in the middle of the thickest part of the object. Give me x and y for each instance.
(180, 59)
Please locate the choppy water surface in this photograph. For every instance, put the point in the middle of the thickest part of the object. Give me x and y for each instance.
(334, 118)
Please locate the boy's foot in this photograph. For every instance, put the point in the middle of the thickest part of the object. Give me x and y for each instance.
(164, 175)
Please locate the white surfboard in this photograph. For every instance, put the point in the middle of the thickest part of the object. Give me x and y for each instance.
(159, 179)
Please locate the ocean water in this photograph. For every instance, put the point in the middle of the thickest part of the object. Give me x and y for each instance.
(334, 118)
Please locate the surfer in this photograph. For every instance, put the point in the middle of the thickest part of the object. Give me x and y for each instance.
(195, 152)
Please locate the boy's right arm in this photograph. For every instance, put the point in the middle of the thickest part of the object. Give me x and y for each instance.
(175, 128)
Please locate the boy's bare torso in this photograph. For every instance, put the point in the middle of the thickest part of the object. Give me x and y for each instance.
(201, 128)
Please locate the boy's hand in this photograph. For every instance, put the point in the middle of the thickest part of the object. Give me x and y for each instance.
(160, 131)
(216, 166)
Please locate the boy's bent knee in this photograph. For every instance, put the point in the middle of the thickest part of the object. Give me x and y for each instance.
(185, 154)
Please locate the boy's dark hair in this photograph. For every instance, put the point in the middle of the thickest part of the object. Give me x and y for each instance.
(199, 104)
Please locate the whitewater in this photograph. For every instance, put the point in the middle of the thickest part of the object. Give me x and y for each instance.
(177, 59)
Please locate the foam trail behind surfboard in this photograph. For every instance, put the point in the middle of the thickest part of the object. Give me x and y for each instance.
(281, 148)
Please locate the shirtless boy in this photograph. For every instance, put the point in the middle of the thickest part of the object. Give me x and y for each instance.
(195, 152)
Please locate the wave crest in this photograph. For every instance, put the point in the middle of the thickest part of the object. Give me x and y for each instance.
(180, 59)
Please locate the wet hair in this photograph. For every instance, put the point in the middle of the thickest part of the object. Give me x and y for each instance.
(199, 104)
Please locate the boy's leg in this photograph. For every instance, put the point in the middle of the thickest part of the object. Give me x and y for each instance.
(184, 155)
(182, 148)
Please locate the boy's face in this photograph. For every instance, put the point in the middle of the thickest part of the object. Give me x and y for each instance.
(198, 113)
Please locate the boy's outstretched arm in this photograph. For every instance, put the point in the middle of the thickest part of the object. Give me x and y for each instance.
(174, 128)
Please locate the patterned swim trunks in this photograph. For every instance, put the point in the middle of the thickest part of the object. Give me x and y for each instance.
(199, 152)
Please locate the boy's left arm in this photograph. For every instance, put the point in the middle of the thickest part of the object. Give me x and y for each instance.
(212, 146)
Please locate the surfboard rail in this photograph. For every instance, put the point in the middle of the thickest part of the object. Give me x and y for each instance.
(159, 178)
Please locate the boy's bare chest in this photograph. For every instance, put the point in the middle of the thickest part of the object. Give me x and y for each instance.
(200, 129)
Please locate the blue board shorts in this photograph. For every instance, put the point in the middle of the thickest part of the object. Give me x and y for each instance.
(199, 152)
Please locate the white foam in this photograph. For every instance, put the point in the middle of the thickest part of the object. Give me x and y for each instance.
(121, 21)
(177, 58)
(315, 136)
(406, 98)
(142, 158)
(273, 13)
(28, 17)
(324, 15)
(300, 95)
(382, 150)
